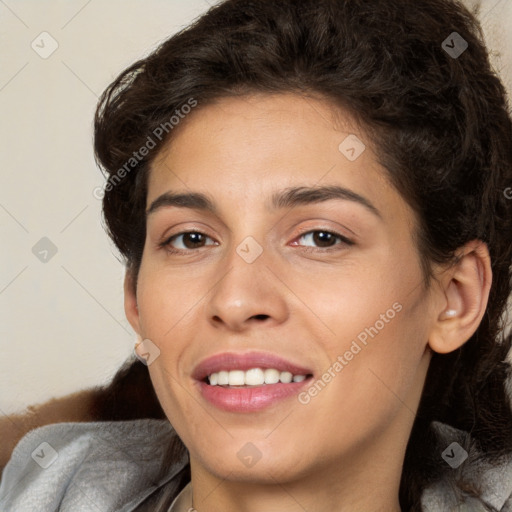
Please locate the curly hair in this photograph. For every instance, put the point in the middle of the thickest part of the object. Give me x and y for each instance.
(442, 129)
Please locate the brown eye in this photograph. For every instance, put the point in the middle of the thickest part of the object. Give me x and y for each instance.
(189, 240)
(325, 239)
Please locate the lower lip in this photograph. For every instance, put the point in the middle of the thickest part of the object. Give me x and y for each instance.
(250, 399)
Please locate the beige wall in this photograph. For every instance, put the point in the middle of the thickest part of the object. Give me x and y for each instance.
(62, 321)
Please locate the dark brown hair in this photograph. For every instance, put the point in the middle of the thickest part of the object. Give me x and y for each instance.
(441, 127)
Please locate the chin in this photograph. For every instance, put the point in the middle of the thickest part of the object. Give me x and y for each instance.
(250, 463)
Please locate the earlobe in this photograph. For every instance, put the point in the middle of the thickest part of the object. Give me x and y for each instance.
(463, 295)
(139, 348)
(131, 308)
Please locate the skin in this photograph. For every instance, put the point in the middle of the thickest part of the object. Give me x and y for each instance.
(344, 449)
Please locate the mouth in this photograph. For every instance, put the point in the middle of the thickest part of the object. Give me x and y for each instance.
(249, 382)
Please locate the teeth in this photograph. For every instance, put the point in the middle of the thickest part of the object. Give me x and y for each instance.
(252, 377)
(272, 376)
(236, 378)
(222, 378)
(286, 377)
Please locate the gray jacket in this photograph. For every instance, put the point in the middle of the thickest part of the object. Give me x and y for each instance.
(115, 466)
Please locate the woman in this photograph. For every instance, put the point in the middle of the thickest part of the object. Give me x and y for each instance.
(311, 202)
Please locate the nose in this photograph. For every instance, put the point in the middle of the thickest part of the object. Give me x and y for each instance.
(247, 294)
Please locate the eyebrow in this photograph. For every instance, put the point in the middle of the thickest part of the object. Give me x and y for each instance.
(287, 198)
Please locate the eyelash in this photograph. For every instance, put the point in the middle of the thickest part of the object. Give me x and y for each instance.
(166, 243)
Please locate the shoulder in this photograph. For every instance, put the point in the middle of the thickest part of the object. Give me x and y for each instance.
(71, 466)
(466, 467)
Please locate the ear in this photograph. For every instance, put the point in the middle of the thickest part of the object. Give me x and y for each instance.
(130, 302)
(463, 296)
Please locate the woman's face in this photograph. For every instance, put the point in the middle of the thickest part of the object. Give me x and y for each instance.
(326, 288)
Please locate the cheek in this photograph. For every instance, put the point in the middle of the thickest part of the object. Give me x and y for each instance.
(163, 307)
(357, 304)
(163, 319)
(378, 355)
(166, 302)
(377, 335)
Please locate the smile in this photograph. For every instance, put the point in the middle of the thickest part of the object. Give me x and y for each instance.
(249, 382)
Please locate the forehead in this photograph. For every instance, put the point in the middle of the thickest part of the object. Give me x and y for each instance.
(251, 146)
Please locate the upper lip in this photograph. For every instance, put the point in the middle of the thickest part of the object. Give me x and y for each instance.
(245, 361)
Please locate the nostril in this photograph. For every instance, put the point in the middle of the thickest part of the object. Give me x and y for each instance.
(260, 317)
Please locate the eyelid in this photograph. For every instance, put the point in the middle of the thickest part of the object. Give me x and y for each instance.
(168, 239)
(333, 232)
(165, 243)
